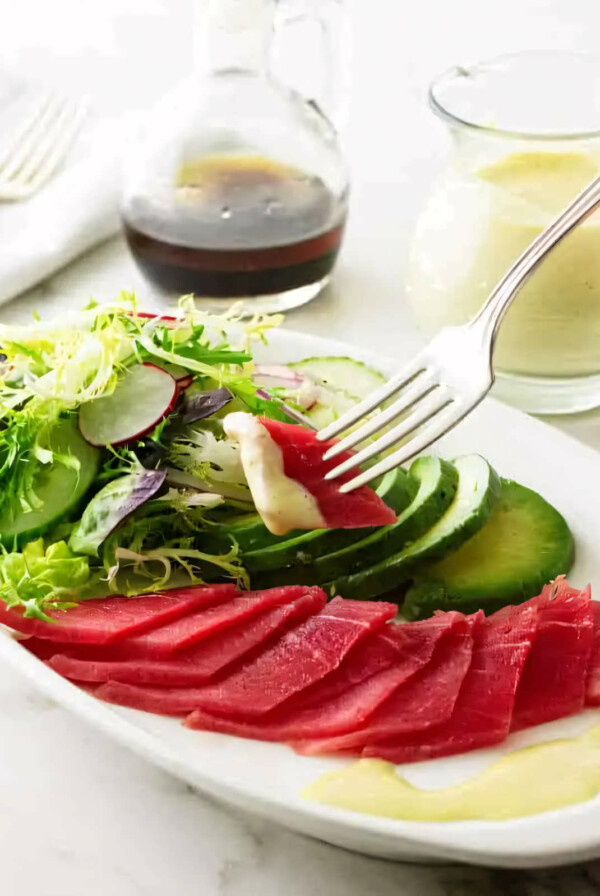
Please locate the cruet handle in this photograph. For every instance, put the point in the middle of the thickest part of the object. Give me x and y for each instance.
(311, 52)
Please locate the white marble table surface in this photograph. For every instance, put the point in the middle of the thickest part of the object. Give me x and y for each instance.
(78, 814)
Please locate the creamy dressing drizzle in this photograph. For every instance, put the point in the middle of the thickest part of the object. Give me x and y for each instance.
(282, 503)
(535, 779)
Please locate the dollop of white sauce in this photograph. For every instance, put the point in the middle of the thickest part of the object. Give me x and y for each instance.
(282, 503)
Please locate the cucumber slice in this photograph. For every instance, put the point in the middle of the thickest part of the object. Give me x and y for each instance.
(292, 559)
(478, 490)
(344, 381)
(249, 532)
(525, 543)
(346, 374)
(436, 482)
(59, 488)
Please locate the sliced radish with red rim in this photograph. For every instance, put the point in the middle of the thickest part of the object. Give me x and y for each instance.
(278, 376)
(143, 397)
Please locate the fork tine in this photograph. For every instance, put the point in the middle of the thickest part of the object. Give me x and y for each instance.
(438, 427)
(20, 133)
(429, 407)
(408, 399)
(53, 147)
(55, 156)
(375, 398)
(22, 150)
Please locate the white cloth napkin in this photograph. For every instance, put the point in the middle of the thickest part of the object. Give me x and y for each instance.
(73, 212)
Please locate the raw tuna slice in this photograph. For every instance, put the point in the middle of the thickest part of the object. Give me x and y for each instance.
(405, 647)
(161, 701)
(105, 620)
(346, 710)
(299, 659)
(424, 700)
(303, 462)
(592, 688)
(185, 632)
(483, 710)
(200, 663)
(554, 677)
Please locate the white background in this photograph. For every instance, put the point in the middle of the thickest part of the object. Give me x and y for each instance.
(77, 814)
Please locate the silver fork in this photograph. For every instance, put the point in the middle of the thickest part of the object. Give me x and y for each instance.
(38, 146)
(450, 376)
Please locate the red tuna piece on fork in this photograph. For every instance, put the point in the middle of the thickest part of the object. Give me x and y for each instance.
(303, 461)
(286, 459)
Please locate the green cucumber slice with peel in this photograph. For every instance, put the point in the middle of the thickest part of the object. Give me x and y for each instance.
(436, 483)
(60, 489)
(342, 381)
(477, 492)
(525, 543)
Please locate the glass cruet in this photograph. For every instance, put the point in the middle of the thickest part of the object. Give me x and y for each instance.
(237, 189)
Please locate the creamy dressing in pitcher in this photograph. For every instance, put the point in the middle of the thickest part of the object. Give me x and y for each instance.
(473, 229)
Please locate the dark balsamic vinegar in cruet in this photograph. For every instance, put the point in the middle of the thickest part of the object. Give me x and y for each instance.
(237, 225)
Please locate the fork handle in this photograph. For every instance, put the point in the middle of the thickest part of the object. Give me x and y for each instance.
(490, 316)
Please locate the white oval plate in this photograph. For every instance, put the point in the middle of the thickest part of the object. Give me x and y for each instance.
(268, 778)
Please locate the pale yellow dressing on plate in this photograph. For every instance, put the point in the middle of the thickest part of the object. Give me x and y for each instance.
(536, 779)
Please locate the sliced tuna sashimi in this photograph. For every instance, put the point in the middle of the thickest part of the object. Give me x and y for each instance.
(299, 659)
(105, 620)
(592, 688)
(303, 462)
(406, 647)
(424, 700)
(195, 627)
(161, 701)
(199, 663)
(554, 677)
(348, 708)
(484, 707)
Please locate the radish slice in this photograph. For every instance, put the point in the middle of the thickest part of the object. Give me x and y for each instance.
(276, 376)
(167, 319)
(184, 382)
(142, 398)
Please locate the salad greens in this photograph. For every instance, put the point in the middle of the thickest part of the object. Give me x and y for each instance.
(30, 577)
(133, 526)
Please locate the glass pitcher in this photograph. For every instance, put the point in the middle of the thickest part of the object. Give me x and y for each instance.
(525, 136)
(237, 189)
